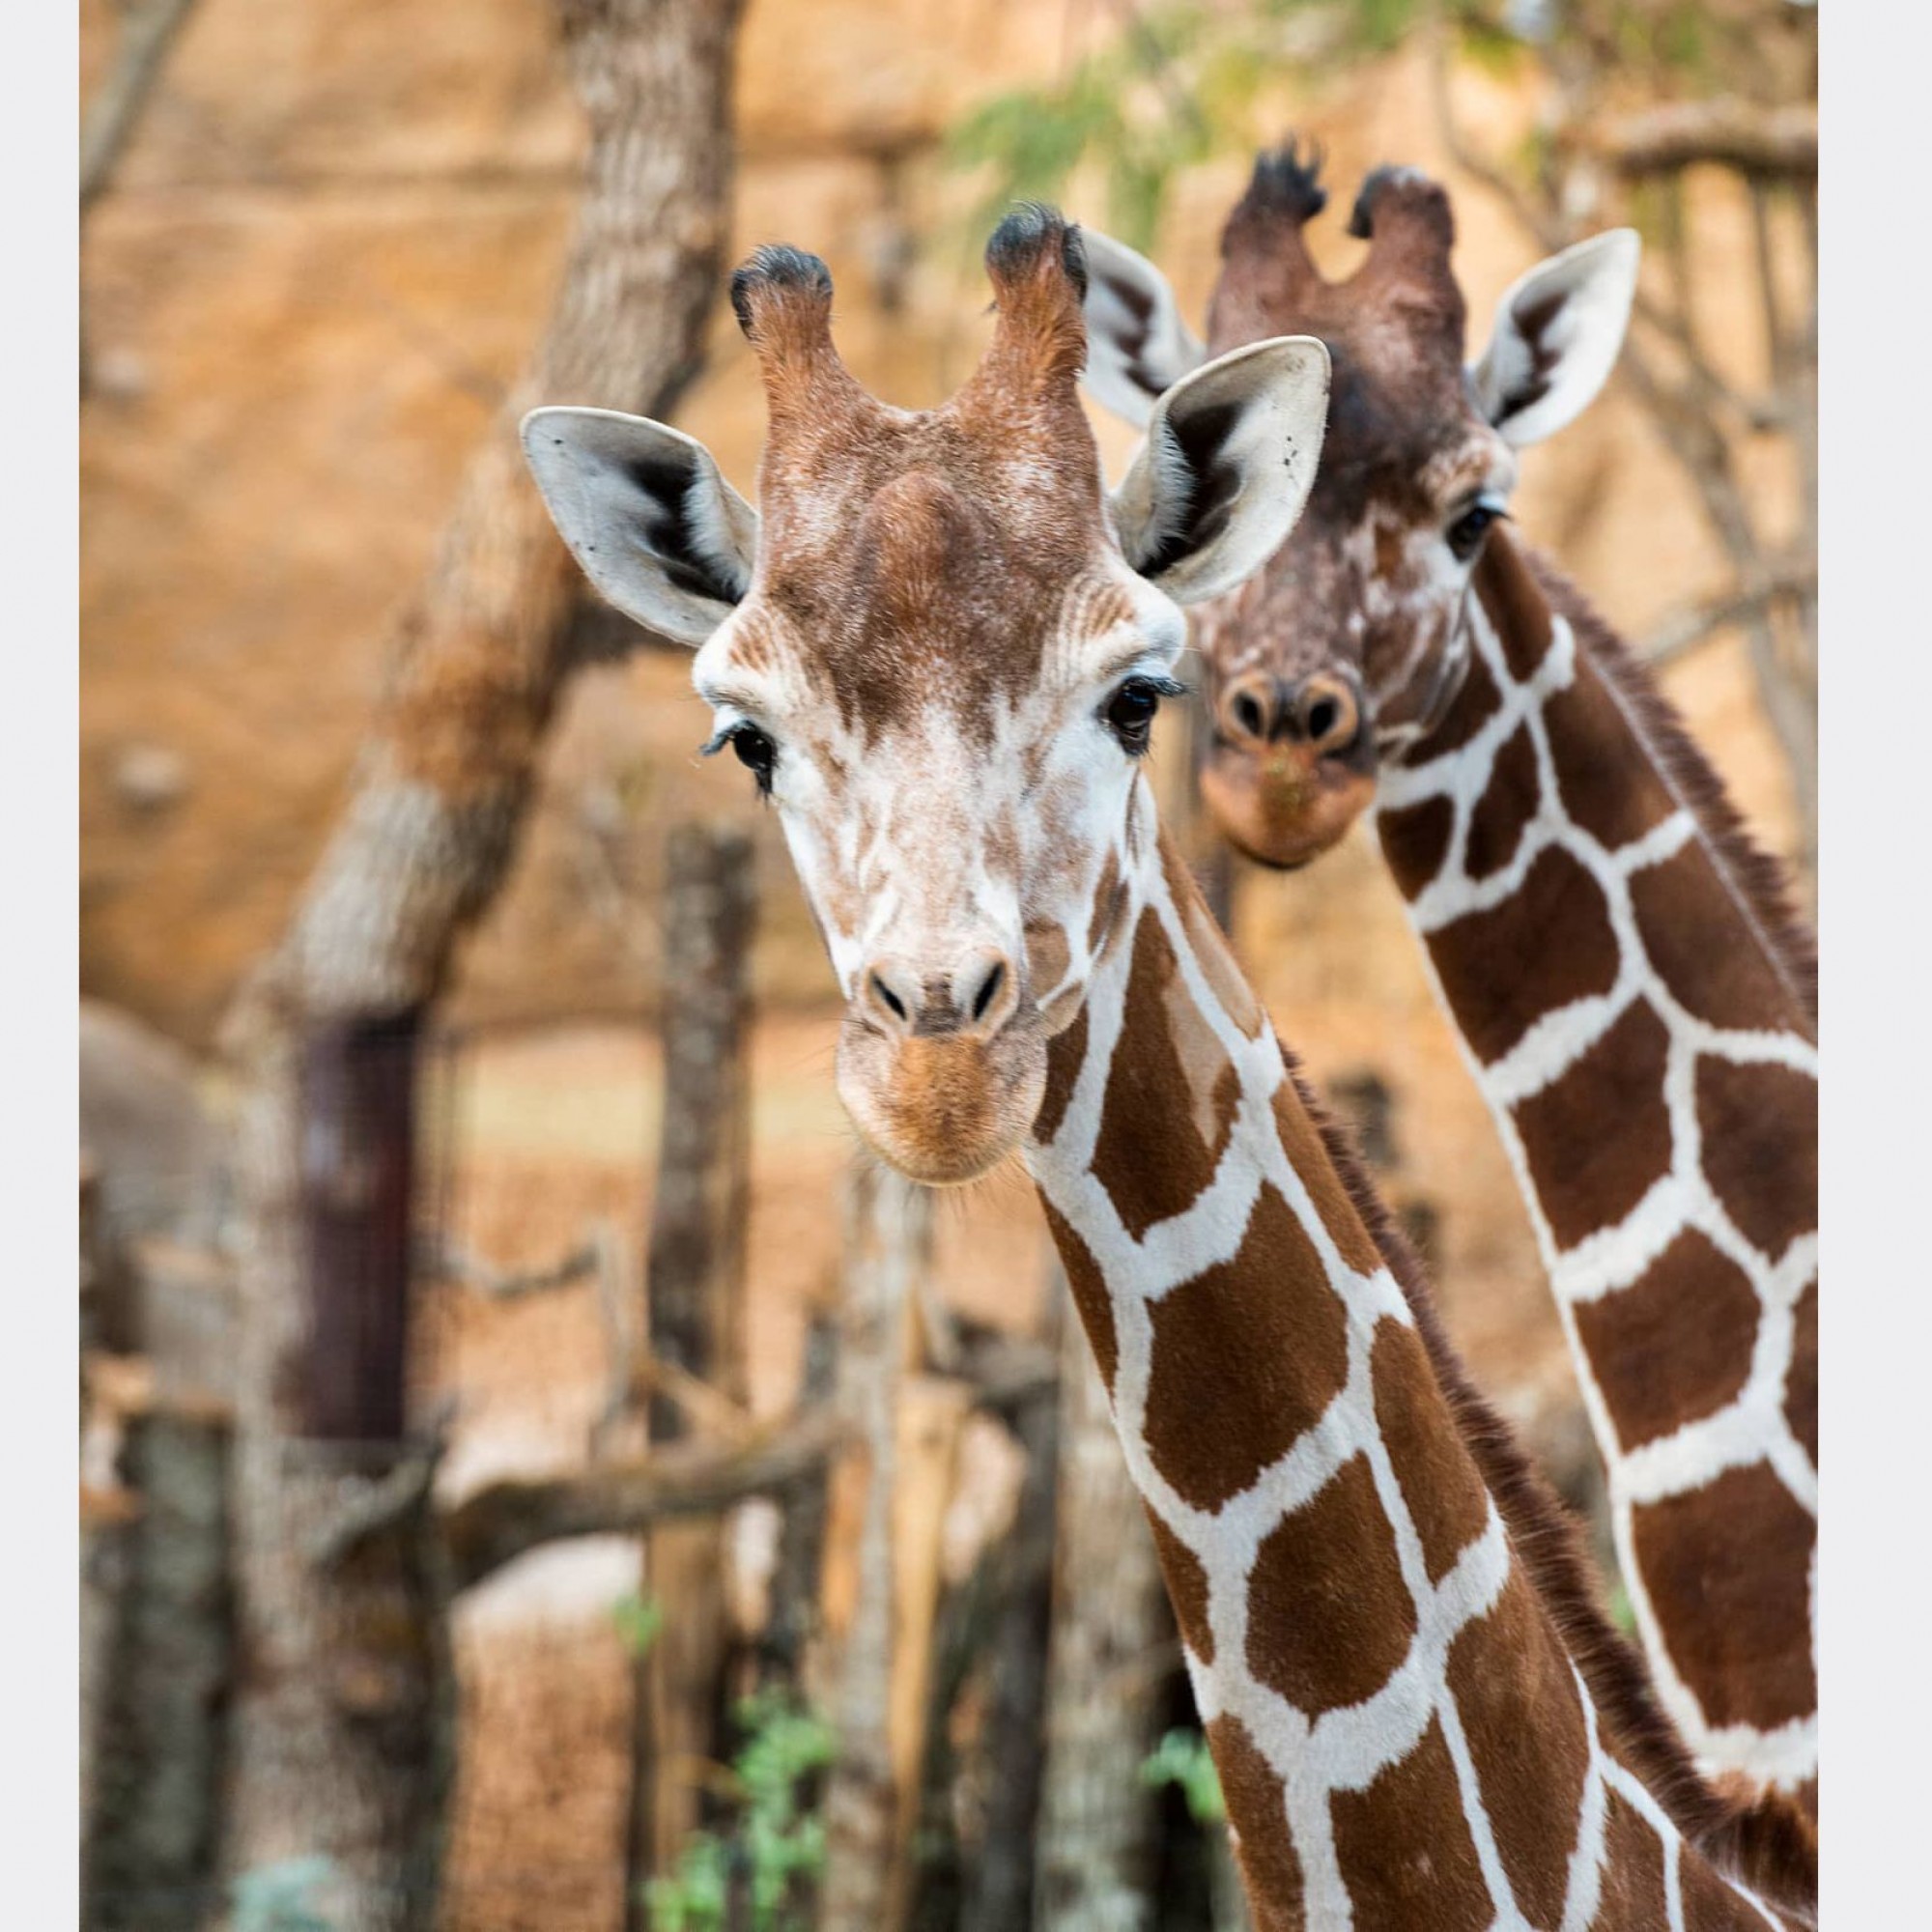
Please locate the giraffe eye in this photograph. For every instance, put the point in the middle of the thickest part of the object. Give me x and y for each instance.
(1131, 711)
(755, 753)
(1465, 534)
(752, 748)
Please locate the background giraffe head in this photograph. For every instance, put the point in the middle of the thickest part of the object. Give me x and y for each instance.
(1351, 644)
(939, 644)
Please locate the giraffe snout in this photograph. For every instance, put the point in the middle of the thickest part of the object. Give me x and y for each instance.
(1293, 763)
(973, 1000)
(1323, 712)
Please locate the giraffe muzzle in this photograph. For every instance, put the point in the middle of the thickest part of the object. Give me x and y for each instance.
(942, 1069)
(1292, 765)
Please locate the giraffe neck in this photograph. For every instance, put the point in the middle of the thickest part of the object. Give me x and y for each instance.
(1402, 1737)
(1636, 1007)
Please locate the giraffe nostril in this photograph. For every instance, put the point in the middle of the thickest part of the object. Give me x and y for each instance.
(892, 999)
(1322, 715)
(1248, 715)
(987, 992)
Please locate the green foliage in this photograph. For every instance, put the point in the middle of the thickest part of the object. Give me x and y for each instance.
(776, 1845)
(1139, 107)
(276, 1898)
(1180, 83)
(639, 1620)
(1182, 1758)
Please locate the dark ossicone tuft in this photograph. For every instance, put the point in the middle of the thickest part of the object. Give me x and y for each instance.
(776, 266)
(1378, 181)
(1763, 1839)
(1284, 182)
(1030, 229)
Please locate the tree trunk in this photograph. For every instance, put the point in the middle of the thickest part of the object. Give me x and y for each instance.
(888, 1243)
(1000, 1888)
(693, 1316)
(157, 1652)
(149, 1862)
(1110, 1627)
(341, 1745)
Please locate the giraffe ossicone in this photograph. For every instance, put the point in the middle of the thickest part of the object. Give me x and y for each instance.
(941, 649)
(1634, 996)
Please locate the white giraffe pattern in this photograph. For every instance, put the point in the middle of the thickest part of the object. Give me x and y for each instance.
(1753, 1424)
(1344, 1748)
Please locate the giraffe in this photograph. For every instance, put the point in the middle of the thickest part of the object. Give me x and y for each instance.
(1632, 994)
(939, 646)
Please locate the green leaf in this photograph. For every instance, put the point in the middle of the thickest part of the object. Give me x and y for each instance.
(639, 1620)
(1182, 1758)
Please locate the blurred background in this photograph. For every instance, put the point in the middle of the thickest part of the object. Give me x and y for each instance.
(533, 1475)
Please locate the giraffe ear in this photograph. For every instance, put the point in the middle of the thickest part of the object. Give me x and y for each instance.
(1137, 345)
(646, 513)
(1228, 462)
(1557, 333)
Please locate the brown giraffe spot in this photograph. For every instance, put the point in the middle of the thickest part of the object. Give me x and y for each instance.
(1256, 1811)
(1760, 1128)
(1404, 1847)
(1598, 1137)
(1108, 896)
(1245, 1357)
(1800, 1382)
(1702, 949)
(1474, 705)
(1606, 776)
(1047, 955)
(1329, 1616)
(1676, 1344)
(1209, 947)
(1633, 1899)
(1186, 1586)
(1728, 1571)
(1066, 1055)
(1445, 1497)
(1088, 1288)
(1301, 1142)
(1508, 804)
(1516, 605)
(1549, 942)
(1415, 841)
(1512, 1682)
(1177, 1079)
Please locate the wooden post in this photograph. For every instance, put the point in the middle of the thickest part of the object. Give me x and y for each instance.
(1110, 1626)
(693, 1321)
(888, 1237)
(999, 1889)
(157, 1651)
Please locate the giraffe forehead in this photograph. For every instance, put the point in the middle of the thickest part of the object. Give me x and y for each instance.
(935, 621)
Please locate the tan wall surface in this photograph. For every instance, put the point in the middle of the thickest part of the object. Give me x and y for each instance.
(329, 249)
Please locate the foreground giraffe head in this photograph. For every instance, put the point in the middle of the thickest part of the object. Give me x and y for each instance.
(1352, 644)
(939, 646)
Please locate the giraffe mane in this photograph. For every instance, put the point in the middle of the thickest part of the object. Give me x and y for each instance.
(1760, 882)
(1763, 1838)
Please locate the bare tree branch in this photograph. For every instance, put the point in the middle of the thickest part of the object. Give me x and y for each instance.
(1685, 630)
(502, 1521)
(450, 1262)
(1733, 134)
(146, 33)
